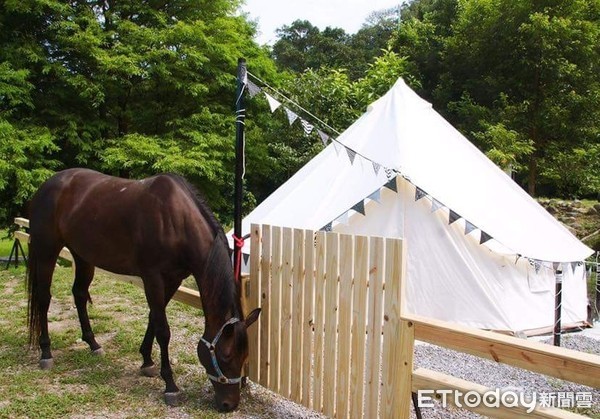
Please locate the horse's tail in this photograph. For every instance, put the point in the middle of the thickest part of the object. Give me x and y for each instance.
(33, 300)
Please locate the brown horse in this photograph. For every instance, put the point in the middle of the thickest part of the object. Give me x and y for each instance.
(158, 229)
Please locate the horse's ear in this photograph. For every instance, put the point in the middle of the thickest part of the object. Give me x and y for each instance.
(252, 317)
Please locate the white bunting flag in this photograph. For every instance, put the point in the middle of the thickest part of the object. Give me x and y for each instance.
(436, 205)
(308, 127)
(292, 116)
(351, 155)
(338, 147)
(376, 167)
(324, 137)
(469, 227)
(253, 89)
(273, 103)
(375, 196)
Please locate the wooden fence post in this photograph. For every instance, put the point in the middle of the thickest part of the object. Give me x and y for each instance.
(398, 335)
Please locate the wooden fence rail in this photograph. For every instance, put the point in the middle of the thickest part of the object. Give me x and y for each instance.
(334, 334)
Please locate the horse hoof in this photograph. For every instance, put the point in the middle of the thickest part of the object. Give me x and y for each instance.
(172, 399)
(150, 371)
(98, 352)
(46, 364)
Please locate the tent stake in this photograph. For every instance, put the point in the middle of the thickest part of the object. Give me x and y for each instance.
(558, 275)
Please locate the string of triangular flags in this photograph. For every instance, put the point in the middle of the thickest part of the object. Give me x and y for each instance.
(453, 216)
(278, 100)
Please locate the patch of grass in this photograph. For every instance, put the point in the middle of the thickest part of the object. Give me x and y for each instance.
(5, 243)
(81, 384)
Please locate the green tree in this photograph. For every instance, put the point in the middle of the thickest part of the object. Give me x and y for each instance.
(129, 87)
(518, 77)
(420, 37)
(371, 40)
(301, 46)
(534, 64)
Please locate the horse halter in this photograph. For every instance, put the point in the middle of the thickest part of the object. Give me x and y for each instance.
(220, 377)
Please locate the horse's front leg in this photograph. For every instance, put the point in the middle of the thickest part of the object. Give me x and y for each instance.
(155, 295)
(163, 336)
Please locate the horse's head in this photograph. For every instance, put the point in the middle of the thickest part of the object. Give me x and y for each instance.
(223, 357)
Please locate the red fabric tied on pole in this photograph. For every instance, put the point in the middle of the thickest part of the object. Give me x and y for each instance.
(238, 243)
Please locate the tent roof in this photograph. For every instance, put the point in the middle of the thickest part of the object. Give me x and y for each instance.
(403, 132)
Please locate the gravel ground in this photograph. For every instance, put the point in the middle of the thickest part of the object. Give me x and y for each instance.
(494, 375)
(467, 367)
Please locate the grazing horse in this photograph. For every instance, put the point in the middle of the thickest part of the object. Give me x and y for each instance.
(158, 229)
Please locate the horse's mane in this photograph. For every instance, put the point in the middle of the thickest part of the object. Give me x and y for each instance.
(200, 202)
(220, 253)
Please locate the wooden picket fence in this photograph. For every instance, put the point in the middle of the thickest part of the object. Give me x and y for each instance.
(334, 334)
(330, 334)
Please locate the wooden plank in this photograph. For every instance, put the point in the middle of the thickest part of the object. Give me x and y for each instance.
(319, 323)
(375, 319)
(423, 379)
(22, 236)
(344, 344)
(359, 325)
(578, 367)
(331, 323)
(22, 222)
(308, 318)
(398, 338)
(275, 354)
(298, 276)
(285, 348)
(183, 294)
(253, 298)
(265, 317)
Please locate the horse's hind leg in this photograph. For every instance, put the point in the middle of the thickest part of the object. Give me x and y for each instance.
(42, 260)
(44, 296)
(84, 273)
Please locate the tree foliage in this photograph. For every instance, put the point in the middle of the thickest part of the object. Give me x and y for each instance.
(302, 46)
(520, 78)
(128, 87)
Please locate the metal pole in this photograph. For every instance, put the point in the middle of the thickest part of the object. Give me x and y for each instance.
(597, 313)
(558, 275)
(240, 113)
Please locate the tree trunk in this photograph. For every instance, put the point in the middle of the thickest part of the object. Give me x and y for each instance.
(533, 169)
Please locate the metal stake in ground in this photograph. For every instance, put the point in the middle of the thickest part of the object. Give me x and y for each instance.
(558, 275)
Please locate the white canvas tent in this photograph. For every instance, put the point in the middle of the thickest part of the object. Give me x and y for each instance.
(505, 283)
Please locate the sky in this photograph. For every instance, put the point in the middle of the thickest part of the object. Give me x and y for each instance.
(346, 14)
